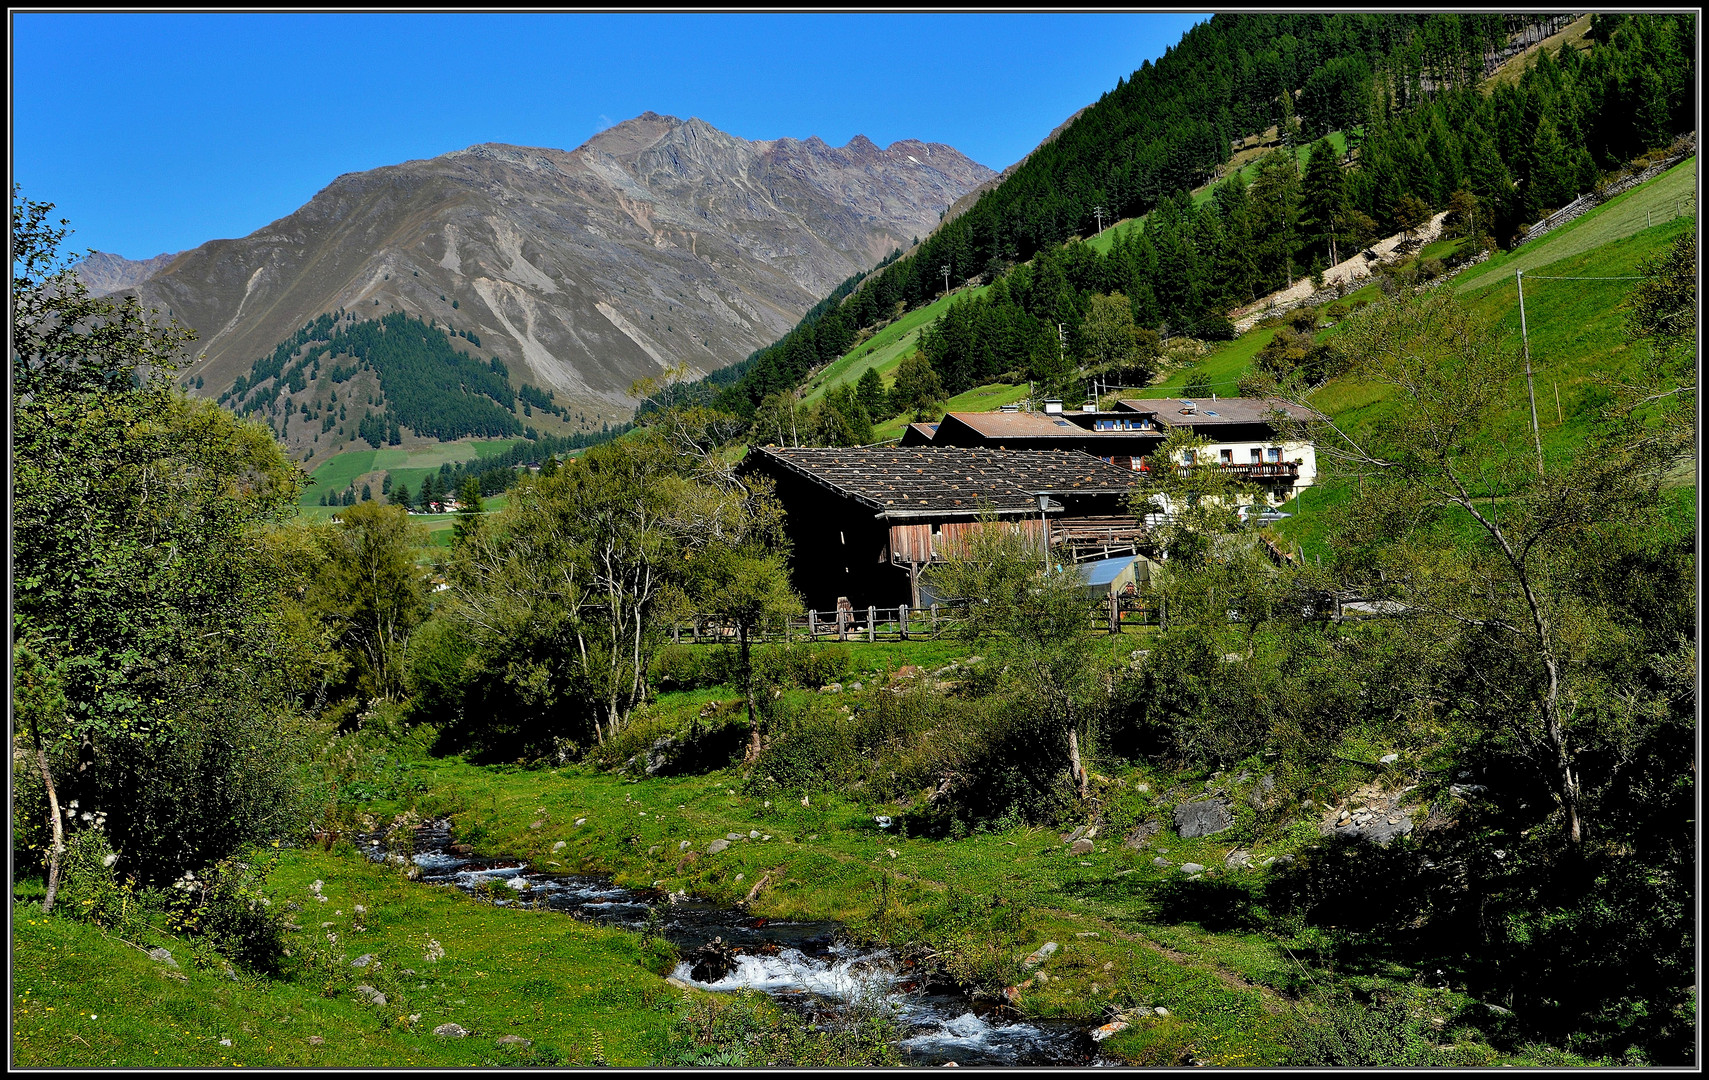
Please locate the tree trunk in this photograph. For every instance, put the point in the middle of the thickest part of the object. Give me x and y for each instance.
(57, 851)
(748, 692)
(1074, 765)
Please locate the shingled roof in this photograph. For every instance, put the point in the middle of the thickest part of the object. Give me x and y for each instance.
(933, 481)
(1228, 410)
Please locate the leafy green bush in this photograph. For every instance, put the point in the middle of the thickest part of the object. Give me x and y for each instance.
(677, 667)
(1351, 1034)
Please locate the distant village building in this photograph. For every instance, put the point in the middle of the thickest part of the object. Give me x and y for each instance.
(864, 522)
(1246, 442)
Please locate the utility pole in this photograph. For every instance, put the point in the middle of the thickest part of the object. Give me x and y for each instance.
(1530, 385)
(944, 270)
(1044, 528)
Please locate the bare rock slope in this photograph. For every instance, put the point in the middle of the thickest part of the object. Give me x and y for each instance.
(657, 242)
(103, 272)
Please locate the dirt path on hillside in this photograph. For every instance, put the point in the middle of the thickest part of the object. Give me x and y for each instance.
(1351, 272)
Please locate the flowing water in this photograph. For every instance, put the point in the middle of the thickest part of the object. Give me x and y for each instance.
(809, 968)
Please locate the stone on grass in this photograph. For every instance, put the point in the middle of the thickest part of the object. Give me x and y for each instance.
(1040, 955)
(1099, 1034)
(374, 996)
(716, 846)
(1160, 861)
(514, 1040)
(1202, 817)
(733, 836)
(1073, 834)
(450, 1031)
(316, 1040)
(1237, 858)
(1389, 759)
(1161, 1011)
(362, 961)
(1142, 832)
(1080, 847)
(560, 845)
(1192, 868)
(163, 956)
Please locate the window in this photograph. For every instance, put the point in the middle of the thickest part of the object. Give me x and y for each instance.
(1228, 457)
(1189, 456)
(1273, 455)
(1257, 455)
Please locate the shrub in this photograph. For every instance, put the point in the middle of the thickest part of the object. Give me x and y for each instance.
(677, 667)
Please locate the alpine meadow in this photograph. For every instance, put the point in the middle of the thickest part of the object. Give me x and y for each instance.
(666, 604)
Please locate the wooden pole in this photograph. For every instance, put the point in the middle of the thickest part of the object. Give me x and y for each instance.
(1530, 386)
(812, 627)
(902, 618)
(871, 623)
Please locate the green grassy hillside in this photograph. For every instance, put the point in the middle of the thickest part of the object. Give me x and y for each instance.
(406, 466)
(884, 350)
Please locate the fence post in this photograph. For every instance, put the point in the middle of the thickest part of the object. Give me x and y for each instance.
(812, 625)
(842, 623)
(902, 620)
(676, 635)
(1115, 614)
(871, 623)
(934, 619)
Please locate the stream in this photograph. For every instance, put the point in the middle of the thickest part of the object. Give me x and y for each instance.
(809, 968)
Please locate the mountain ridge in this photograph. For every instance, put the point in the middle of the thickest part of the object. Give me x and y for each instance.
(656, 242)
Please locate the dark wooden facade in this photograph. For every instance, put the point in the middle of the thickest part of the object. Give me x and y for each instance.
(864, 523)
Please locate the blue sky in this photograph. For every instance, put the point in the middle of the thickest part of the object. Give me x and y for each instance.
(157, 132)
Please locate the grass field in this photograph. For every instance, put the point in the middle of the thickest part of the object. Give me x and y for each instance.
(85, 1000)
(885, 349)
(1670, 195)
(406, 466)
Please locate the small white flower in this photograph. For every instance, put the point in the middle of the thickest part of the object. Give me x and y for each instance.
(360, 910)
(73, 804)
(112, 857)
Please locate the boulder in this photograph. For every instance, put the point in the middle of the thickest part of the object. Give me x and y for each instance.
(1040, 955)
(450, 1031)
(711, 962)
(1142, 832)
(1202, 817)
(163, 957)
(659, 754)
(373, 996)
(1080, 847)
(716, 846)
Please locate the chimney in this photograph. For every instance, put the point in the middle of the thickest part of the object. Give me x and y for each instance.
(1052, 406)
(1090, 406)
(1188, 407)
(1011, 407)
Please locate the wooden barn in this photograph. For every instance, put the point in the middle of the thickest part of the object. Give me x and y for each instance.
(865, 522)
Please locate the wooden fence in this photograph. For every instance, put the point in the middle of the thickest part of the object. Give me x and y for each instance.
(1125, 614)
(1115, 615)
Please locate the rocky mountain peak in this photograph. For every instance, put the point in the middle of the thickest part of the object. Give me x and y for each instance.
(657, 242)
